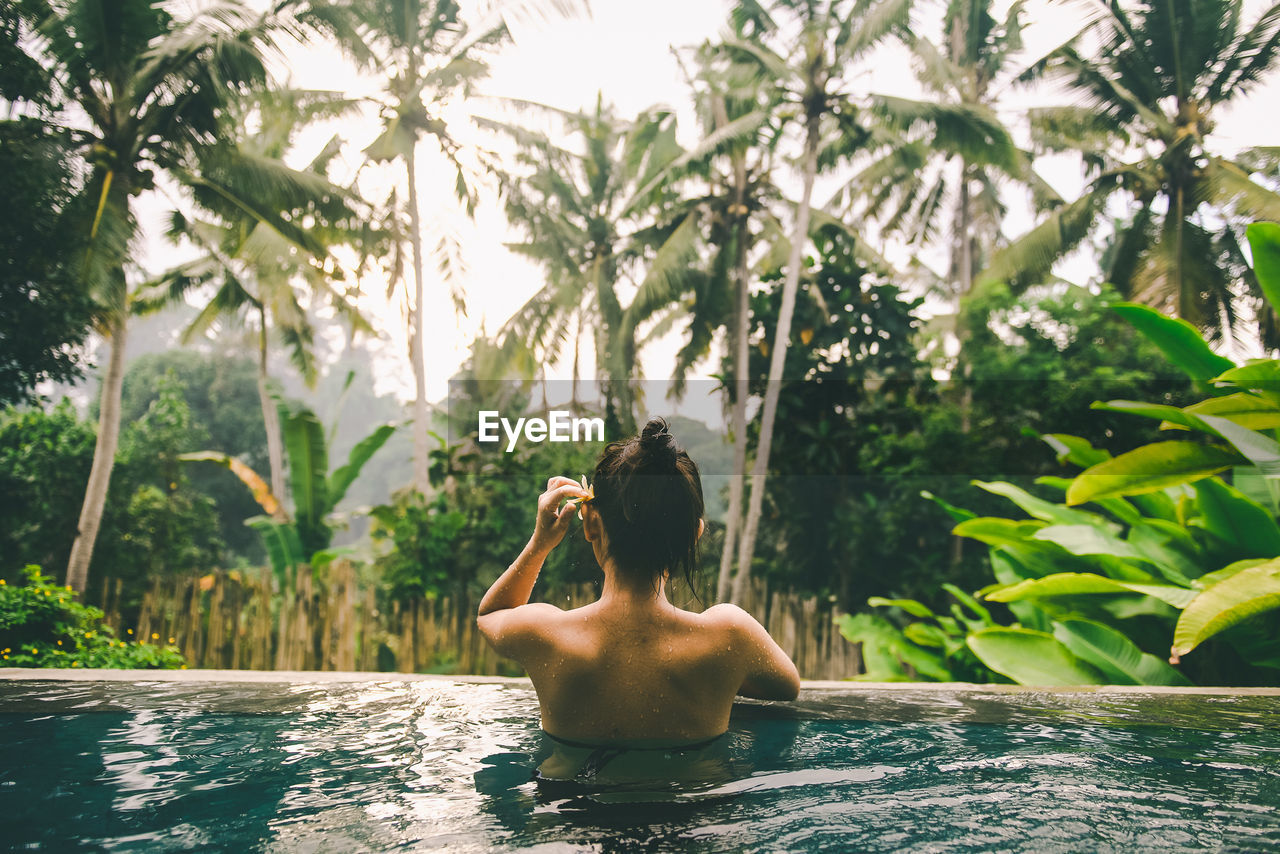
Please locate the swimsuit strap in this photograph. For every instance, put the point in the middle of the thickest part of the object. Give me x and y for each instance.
(625, 747)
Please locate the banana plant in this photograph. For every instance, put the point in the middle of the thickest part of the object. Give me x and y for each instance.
(305, 535)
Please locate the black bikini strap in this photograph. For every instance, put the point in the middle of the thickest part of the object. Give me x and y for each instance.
(594, 747)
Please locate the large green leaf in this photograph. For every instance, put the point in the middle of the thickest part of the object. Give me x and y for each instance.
(1157, 505)
(284, 549)
(911, 606)
(1246, 526)
(1169, 547)
(1089, 540)
(1102, 551)
(1219, 607)
(1245, 409)
(1180, 342)
(1150, 468)
(959, 514)
(885, 650)
(995, 530)
(982, 617)
(1009, 570)
(360, 454)
(1047, 511)
(1039, 558)
(1263, 375)
(257, 486)
(1088, 584)
(1211, 578)
(1117, 657)
(1031, 658)
(1261, 450)
(1073, 449)
(1169, 415)
(1264, 242)
(1119, 508)
(308, 475)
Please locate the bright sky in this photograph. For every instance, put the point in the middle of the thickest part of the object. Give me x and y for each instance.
(624, 51)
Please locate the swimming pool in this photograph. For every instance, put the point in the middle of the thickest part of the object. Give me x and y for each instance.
(318, 763)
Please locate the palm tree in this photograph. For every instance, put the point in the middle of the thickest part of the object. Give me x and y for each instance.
(731, 198)
(1149, 78)
(806, 59)
(596, 217)
(429, 57)
(946, 167)
(260, 271)
(149, 89)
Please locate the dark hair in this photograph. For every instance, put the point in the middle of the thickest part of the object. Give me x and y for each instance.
(649, 497)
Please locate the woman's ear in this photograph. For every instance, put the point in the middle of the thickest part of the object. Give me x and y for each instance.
(702, 526)
(590, 523)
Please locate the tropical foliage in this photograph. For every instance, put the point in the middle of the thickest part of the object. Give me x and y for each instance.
(256, 270)
(156, 522)
(47, 312)
(597, 217)
(1149, 79)
(43, 625)
(430, 57)
(1169, 560)
(303, 535)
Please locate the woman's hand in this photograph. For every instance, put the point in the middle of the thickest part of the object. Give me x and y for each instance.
(553, 519)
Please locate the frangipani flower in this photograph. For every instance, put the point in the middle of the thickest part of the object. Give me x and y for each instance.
(580, 502)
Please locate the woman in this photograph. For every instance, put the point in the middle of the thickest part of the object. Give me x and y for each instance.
(631, 669)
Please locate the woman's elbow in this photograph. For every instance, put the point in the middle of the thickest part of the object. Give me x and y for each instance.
(776, 686)
(790, 685)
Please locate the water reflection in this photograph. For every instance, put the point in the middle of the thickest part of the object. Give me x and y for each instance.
(423, 765)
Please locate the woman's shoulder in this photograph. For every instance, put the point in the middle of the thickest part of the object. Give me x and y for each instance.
(736, 622)
(727, 614)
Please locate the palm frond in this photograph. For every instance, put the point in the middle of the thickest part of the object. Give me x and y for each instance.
(668, 273)
(971, 131)
(1029, 258)
(1233, 189)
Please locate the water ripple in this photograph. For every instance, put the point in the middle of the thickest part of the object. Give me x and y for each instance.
(381, 766)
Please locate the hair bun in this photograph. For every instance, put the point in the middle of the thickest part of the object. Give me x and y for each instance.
(656, 437)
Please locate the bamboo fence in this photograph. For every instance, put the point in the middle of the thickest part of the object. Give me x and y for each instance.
(333, 620)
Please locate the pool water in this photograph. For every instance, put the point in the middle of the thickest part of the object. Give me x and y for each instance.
(422, 765)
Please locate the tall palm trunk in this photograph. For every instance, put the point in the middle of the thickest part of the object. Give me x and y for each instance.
(741, 315)
(270, 415)
(104, 457)
(421, 451)
(964, 267)
(577, 346)
(789, 288)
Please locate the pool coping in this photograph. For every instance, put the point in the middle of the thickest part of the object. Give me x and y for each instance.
(34, 674)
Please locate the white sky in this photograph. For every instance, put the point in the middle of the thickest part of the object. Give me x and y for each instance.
(624, 51)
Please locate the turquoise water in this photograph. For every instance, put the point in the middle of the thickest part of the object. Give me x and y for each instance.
(379, 766)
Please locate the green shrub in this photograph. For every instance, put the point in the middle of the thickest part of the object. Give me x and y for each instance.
(43, 625)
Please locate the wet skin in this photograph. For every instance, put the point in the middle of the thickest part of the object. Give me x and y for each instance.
(630, 666)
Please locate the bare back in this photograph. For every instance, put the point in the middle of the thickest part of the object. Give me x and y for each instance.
(631, 666)
(607, 672)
